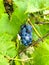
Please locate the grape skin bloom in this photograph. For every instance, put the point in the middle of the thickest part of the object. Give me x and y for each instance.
(26, 34)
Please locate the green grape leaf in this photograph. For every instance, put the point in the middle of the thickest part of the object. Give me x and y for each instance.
(44, 29)
(4, 23)
(7, 26)
(19, 11)
(7, 47)
(3, 61)
(18, 17)
(2, 9)
(41, 53)
(37, 5)
(17, 62)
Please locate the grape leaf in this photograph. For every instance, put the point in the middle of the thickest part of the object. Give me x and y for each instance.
(17, 62)
(2, 9)
(3, 61)
(7, 26)
(37, 5)
(18, 17)
(41, 54)
(44, 29)
(7, 47)
(19, 10)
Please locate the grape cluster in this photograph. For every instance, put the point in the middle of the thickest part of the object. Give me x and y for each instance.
(26, 34)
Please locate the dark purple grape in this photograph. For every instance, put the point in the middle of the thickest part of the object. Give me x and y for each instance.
(29, 28)
(26, 34)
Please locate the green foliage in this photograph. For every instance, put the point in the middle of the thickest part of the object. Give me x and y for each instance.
(2, 9)
(3, 61)
(18, 16)
(35, 6)
(41, 54)
(7, 47)
(11, 48)
(7, 26)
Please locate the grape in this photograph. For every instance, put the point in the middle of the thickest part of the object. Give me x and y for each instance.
(23, 30)
(29, 28)
(24, 41)
(30, 36)
(26, 34)
(24, 26)
(27, 37)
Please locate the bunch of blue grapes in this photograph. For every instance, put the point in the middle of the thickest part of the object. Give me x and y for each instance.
(26, 34)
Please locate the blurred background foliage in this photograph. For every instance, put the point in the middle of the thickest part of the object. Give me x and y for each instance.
(13, 14)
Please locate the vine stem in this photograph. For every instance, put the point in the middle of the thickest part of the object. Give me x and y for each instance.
(40, 39)
(34, 28)
(41, 22)
(45, 14)
(18, 59)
